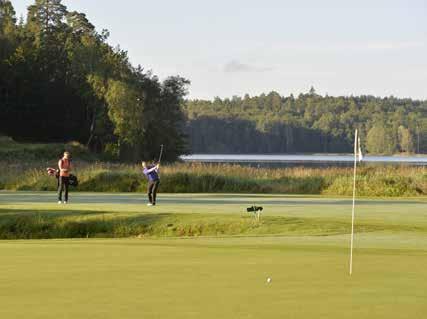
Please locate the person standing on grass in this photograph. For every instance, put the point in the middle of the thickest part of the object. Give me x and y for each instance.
(64, 166)
(152, 174)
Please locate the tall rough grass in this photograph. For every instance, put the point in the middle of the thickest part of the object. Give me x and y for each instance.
(204, 178)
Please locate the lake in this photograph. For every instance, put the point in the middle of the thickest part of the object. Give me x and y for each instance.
(303, 160)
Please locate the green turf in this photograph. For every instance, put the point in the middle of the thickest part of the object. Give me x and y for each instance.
(221, 277)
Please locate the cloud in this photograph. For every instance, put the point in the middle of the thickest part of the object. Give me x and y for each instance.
(350, 46)
(235, 66)
(393, 45)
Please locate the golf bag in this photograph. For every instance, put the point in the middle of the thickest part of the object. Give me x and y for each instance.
(73, 180)
(254, 209)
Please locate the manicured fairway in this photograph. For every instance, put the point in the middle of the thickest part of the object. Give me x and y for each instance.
(220, 277)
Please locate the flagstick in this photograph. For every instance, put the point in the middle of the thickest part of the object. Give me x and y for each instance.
(354, 200)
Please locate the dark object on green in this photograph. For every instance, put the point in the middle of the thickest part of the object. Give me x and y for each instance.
(254, 209)
(74, 181)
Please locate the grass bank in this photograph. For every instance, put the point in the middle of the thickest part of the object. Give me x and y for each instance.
(14, 152)
(87, 224)
(25, 215)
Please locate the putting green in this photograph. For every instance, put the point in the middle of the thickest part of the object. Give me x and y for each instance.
(219, 277)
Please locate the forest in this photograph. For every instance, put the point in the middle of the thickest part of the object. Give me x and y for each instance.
(271, 123)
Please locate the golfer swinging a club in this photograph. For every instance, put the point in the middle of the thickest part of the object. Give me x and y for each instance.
(152, 174)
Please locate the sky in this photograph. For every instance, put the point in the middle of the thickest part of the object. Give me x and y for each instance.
(234, 47)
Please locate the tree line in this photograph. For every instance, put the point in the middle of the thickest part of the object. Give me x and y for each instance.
(60, 80)
(271, 123)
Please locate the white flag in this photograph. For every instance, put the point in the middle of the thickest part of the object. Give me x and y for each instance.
(360, 154)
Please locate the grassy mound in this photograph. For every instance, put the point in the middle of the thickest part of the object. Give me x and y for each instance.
(83, 224)
(15, 152)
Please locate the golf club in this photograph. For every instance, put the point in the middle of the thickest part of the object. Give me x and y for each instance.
(161, 153)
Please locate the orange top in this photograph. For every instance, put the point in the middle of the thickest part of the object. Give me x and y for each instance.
(64, 167)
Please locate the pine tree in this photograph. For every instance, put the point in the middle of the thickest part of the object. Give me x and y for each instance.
(79, 24)
(7, 29)
(46, 16)
(8, 42)
(7, 16)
